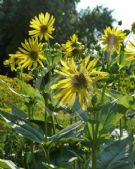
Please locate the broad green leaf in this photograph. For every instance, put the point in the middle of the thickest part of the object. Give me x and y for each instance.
(118, 155)
(50, 126)
(66, 131)
(127, 101)
(28, 90)
(7, 164)
(109, 116)
(23, 127)
(31, 92)
(17, 112)
(112, 94)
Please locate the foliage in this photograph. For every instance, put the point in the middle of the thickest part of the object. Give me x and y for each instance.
(87, 122)
(117, 155)
(6, 164)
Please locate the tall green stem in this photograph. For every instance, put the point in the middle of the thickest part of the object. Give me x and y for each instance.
(94, 152)
(45, 122)
(45, 115)
(94, 145)
(53, 125)
(121, 128)
(103, 93)
(29, 112)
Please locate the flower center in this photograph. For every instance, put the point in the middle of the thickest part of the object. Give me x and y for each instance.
(75, 52)
(33, 55)
(79, 81)
(15, 59)
(111, 40)
(43, 28)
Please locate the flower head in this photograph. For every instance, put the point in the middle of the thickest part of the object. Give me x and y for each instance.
(112, 39)
(43, 26)
(13, 61)
(73, 48)
(76, 81)
(130, 50)
(31, 54)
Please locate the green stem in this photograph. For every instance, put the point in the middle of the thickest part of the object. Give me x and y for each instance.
(94, 149)
(109, 60)
(29, 112)
(125, 121)
(103, 93)
(94, 145)
(121, 128)
(32, 112)
(71, 120)
(53, 125)
(47, 156)
(45, 116)
(32, 153)
(46, 153)
(94, 155)
(45, 123)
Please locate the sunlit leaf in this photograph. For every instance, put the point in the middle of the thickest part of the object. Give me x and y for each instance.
(7, 164)
(66, 131)
(23, 127)
(127, 101)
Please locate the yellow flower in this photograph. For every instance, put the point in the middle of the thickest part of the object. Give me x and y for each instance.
(73, 48)
(130, 50)
(26, 77)
(13, 61)
(73, 40)
(31, 54)
(76, 81)
(43, 26)
(112, 39)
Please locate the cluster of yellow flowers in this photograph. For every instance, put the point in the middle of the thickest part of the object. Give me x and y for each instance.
(76, 79)
(73, 48)
(30, 54)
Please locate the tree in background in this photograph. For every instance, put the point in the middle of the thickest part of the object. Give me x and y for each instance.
(92, 23)
(16, 14)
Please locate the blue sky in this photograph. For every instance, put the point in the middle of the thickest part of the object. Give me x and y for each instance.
(123, 9)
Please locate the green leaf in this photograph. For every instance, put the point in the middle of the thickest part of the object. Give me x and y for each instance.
(50, 166)
(23, 127)
(7, 164)
(29, 91)
(63, 108)
(118, 155)
(127, 101)
(17, 112)
(109, 116)
(66, 131)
